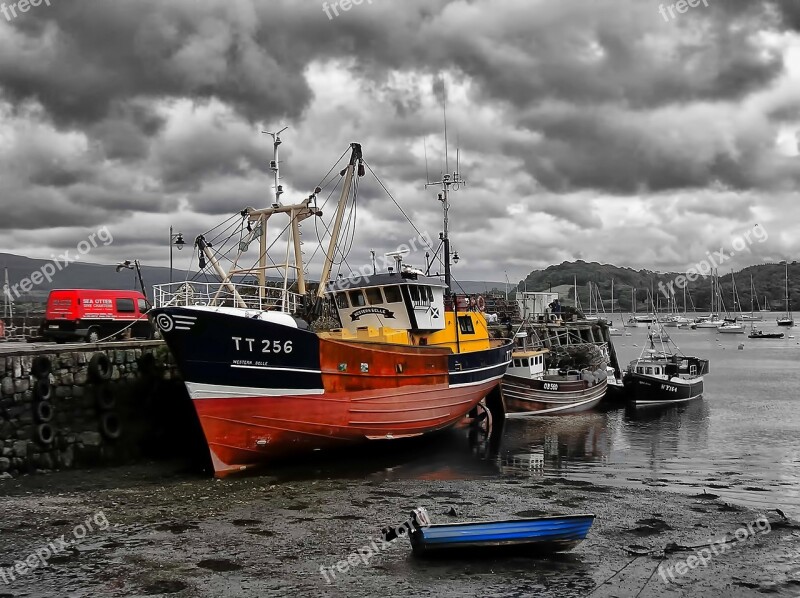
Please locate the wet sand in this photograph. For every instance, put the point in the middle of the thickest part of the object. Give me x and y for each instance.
(177, 534)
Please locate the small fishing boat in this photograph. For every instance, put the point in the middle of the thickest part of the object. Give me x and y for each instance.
(755, 333)
(529, 387)
(664, 377)
(534, 535)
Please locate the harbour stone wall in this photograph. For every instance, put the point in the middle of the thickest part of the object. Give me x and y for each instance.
(67, 407)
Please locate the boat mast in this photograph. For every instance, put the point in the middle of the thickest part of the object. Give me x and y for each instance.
(355, 162)
(275, 166)
(612, 301)
(684, 298)
(787, 288)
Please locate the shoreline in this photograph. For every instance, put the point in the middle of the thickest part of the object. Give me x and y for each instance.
(171, 534)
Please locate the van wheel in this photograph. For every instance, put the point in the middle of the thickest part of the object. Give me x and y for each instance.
(93, 335)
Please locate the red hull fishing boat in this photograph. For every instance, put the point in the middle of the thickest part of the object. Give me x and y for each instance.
(404, 361)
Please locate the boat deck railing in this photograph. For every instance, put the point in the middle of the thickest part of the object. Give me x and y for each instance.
(251, 296)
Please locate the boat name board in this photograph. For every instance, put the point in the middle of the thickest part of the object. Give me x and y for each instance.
(380, 311)
(266, 345)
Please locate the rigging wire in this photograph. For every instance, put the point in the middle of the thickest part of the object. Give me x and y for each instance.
(403, 212)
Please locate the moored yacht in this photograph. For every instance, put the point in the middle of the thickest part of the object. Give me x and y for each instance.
(730, 327)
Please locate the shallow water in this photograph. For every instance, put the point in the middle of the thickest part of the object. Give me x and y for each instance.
(741, 441)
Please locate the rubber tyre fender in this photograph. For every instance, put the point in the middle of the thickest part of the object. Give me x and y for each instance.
(106, 400)
(100, 367)
(110, 426)
(42, 389)
(45, 435)
(41, 366)
(43, 411)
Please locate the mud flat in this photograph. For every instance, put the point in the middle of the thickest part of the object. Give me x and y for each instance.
(151, 530)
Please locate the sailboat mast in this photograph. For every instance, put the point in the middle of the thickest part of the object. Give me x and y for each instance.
(612, 300)
(787, 288)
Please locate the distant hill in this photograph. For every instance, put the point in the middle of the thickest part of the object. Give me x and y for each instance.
(768, 280)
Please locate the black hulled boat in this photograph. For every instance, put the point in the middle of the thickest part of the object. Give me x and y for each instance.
(664, 377)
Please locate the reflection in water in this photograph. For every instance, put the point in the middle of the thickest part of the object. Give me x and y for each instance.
(660, 434)
(554, 443)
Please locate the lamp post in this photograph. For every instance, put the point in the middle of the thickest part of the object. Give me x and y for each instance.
(176, 240)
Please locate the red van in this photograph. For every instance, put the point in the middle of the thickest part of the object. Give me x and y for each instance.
(90, 315)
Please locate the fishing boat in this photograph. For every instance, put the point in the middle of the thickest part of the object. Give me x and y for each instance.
(530, 388)
(406, 359)
(786, 319)
(665, 376)
(533, 535)
(755, 333)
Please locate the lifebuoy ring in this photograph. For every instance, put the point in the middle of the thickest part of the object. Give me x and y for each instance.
(480, 303)
(41, 366)
(43, 411)
(110, 426)
(42, 389)
(553, 317)
(100, 367)
(106, 400)
(45, 434)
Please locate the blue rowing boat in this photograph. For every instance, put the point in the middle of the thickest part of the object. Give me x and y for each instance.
(538, 535)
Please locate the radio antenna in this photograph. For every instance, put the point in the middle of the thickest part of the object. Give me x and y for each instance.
(444, 114)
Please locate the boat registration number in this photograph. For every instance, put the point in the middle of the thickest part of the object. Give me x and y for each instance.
(262, 345)
(669, 388)
(550, 386)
